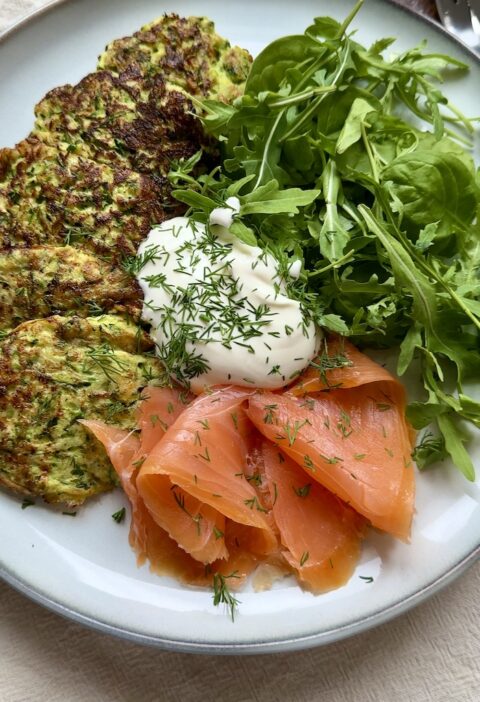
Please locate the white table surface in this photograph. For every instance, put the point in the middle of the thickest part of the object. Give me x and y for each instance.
(431, 654)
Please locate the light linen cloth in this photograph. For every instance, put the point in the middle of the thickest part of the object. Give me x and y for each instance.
(431, 654)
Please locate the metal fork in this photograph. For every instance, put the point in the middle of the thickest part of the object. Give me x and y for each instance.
(462, 18)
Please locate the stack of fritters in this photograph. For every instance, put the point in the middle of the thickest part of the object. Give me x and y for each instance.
(77, 196)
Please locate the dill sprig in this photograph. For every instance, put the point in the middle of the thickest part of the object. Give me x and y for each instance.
(105, 358)
(180, 500)
(222, 594)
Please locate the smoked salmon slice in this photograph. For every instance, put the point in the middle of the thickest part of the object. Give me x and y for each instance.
(320, 534)
(194, 526)
(204, 453)
(147, 538)
(158, 409)
(339, 365)
(355, 442)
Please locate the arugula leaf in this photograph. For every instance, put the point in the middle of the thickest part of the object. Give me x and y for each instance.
(406, 275)
(269, 199)
(244, 233)
(454, 444)
(352, 128)
(421, 414)
(333, 235)
(196, 200)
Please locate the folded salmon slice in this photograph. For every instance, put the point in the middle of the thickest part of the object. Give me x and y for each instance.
(321, 535)
(196, 527)
(204, 453)
(355, 442)
(339, 365)
(157, 411)
(146, 537)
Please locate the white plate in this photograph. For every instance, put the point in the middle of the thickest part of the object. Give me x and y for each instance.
(83, 567)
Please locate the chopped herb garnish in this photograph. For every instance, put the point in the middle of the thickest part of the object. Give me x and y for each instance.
(269, 409)
(119, 516)
(217, 533)
(253, 502)
(180, 500)
(308, 463)
(205, 455)
(383, 407)
(292, 432)
(255, 479)
(275, 494)
(344, 424)
(303, 491)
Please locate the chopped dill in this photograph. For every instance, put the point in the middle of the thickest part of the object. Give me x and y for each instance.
(217, 533)
(269, 409)
(308, 463)
(253, 502)
(303, 491)
(119, 516)
(292, 432)
(304, 558)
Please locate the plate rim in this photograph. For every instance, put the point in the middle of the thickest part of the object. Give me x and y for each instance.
(295, 643)
(35, 14)
(338, 633)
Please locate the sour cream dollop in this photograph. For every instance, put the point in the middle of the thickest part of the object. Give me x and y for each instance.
(219, 312)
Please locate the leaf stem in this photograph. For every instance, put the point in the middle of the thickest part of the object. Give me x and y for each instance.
(349, 19)
(340, 261)
(305, 95)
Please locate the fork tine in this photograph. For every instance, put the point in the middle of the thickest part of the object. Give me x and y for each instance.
(475, 12)
(455, 14)
(459, 17)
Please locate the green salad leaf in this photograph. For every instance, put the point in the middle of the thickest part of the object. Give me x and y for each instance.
(355, 163)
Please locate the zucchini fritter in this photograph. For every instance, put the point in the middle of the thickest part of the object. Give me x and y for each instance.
(47, 280)
(53, 372)
(55, 198)
(184, 51)
(126, 121)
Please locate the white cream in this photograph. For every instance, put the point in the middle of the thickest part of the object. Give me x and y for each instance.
(221, 303)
